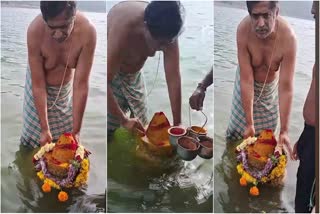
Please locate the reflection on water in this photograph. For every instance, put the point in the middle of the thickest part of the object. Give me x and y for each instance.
(229, 196)
(20, 188)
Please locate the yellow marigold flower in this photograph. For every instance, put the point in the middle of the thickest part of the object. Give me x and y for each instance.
(85, 164)
(64, 165)
(51, 183)
(240, 169)
(264, 179)
(81, 179)
(40, 175)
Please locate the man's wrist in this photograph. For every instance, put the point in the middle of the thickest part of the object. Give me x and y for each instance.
(249, 123)
(45, 128)
(202, 87)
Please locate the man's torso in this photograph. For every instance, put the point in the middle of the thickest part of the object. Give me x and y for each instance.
(127, 18)
(55, 55)
(261, 51)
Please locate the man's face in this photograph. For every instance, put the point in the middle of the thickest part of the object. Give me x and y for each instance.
(263, 19)
(60, 27)
(154, 45)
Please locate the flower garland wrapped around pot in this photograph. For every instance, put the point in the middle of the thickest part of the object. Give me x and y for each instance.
(64, 164)
(260, 162)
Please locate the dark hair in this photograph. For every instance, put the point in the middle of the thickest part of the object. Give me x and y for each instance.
(250, 5)
(51, 9)
(164, 19)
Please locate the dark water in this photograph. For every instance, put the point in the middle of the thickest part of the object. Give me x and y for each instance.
(229, 196)
(174, 185)
(20, 188)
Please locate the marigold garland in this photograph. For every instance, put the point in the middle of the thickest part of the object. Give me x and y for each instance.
(80, 180)
(276, 173)
(78, 169)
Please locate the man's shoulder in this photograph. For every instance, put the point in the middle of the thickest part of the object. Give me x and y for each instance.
(36, 27)
(244, 25)
(87, 28)
(285, 29)
(243, 29)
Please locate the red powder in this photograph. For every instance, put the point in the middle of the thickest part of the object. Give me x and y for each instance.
(254, 154)
(207, 144)
(177, 131)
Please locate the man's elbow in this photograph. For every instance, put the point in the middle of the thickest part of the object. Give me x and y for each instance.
(286, 88)
(82, 86)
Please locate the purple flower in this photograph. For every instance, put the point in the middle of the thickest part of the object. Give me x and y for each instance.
(61, 182)
(242, 157)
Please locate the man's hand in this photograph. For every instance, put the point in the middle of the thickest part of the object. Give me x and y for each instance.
(76, 136)
(45, 137)
(295, 151)
(196, 99)
(249, 131)
(284, 140)
(133, 125)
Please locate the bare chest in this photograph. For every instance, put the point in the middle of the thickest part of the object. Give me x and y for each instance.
(60, 56)
(264, 58)
(134, 56)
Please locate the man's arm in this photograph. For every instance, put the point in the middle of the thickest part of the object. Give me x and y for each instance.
(208, 79)
(246, 76)
(37, 76)
(113, 67)
(81, 80)
(196, 100)
(286, 83)
(172, 70)
(115, 45)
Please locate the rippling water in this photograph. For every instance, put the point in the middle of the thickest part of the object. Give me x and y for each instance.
(136, 186)
(20, 189)
(228, 195)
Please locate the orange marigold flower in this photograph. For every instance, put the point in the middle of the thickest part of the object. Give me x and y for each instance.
(63, 196)
(46, 187)
(254, 191)
(243, 181)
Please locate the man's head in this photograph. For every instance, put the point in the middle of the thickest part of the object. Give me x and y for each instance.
(59, 16)
(164, 21)
(263, 16)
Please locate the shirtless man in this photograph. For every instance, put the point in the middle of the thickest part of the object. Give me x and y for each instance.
(266, 54)
(304, 149)
(61, 44)
(136, 30)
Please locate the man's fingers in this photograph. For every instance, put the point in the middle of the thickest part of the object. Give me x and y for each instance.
(139, 126)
